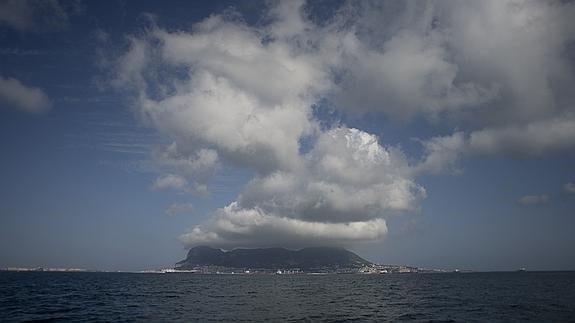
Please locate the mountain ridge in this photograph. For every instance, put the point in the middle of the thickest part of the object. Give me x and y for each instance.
(306, 259)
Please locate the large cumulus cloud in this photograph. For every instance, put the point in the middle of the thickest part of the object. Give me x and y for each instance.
(228, 93)
(345, 188)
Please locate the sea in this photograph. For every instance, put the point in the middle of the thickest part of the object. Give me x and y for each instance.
(187, 297)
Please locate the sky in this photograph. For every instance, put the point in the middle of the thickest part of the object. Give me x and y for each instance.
(432, 134)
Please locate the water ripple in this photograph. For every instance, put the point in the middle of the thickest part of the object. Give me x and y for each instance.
(294, 298)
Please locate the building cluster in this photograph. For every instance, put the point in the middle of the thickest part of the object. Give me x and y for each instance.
(388, 269)
(367, 269)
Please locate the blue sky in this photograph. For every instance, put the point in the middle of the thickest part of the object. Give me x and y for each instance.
(422, 133)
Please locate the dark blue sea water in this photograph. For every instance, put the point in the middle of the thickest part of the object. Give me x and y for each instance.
(527, 296)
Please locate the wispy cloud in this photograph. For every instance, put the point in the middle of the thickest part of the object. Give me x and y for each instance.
(178, 208)
(170, 181)
(14, 93)
(37, 15)
(125, 139)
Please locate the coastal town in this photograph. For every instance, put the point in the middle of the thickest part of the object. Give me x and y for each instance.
(368, 269)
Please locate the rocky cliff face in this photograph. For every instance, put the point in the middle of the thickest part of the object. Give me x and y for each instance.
(273, 258)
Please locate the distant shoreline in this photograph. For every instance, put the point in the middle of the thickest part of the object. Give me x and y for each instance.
(155, 272)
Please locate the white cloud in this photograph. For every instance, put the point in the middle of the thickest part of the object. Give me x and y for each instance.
(499, 66)
(212, 112)
(490, 61)
(534, 139)
(233, 226)
(178, 208)
(569, 187)
(534, 200)
(519, 45)
(170, 181)
(194, 165)
(347, 176)
(442, 153)
(409, 75)
(20, 96)
(225, 99)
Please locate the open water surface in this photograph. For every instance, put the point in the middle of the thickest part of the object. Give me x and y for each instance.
(525, 296)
